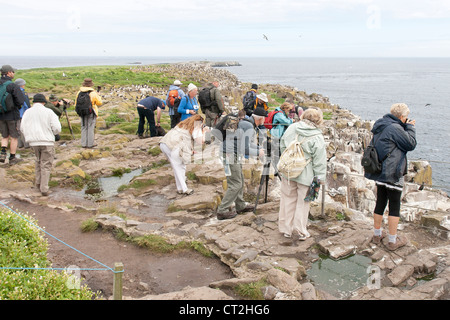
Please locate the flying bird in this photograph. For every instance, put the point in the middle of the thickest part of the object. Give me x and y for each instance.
(428, 104)
(265, 37)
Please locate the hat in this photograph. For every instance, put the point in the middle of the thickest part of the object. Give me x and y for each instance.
(177, 83)
(263, 97)
(191, 87)
(7, 68)
(88, 82)
(20, 82)
(260, 112)
(53, 98)
(39, 97)
(255, 86)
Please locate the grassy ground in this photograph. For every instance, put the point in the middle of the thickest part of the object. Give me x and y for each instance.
(67, 80)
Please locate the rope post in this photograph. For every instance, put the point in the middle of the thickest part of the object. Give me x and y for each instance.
(117, 285)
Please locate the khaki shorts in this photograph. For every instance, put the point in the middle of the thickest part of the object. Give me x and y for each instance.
(10, 128)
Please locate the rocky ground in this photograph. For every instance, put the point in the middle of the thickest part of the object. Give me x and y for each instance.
(250, 244)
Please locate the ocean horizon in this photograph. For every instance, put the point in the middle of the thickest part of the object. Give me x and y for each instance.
(365, 86)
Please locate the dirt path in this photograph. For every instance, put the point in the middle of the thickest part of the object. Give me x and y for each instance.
(145, 272)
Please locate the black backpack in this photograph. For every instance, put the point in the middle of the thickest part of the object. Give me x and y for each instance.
(370, 160)
(249, 100)
(204, 98)
(83, 106)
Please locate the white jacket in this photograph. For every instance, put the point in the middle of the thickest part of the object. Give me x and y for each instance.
(39, 125)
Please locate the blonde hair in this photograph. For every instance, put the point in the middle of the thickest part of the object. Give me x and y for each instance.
(399, 110)
(286, 106)
(314, 115)
(189, 123)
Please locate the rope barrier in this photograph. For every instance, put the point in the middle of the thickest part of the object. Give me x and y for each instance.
(36, 226)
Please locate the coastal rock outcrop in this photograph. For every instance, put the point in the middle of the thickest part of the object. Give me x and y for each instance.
(250, 244)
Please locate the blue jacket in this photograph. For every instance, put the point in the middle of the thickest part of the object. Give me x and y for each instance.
(280, 123)
(186, 105)
(26, 104)
(393, 139)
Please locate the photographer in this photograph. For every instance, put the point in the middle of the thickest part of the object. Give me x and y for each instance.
(235, 147)
(394, 135)
(55, 105)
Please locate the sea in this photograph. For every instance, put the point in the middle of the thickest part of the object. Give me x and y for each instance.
(365, 86)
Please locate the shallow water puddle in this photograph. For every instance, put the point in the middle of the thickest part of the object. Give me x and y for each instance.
(340, 277)
(106, 187)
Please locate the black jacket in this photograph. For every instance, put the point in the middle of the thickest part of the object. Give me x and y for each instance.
(393, 139)
(18, 99)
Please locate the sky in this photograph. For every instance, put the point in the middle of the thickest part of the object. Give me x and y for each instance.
(232, 28)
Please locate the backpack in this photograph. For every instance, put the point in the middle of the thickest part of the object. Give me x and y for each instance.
(249, 100)
(268, 122)
(370, 160)
(173, 101)
(6, 101)
(228, 123)
(293, 161)
(204, 98)
(83, 106)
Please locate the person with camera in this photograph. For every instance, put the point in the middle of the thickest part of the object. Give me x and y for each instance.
(56, 105)
(86, 105)
(39, 126)
(394, 136)
(236, 147)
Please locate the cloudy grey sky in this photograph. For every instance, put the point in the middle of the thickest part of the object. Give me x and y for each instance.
(232, 28)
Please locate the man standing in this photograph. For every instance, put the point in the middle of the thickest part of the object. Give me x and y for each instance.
(11, 100)
(214, 108)
(249, 99)
(87, 103)
(235, 148)
(146, 109)
(173, 98)
(39, 127)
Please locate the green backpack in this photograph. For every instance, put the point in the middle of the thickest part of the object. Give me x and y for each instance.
(6, 103)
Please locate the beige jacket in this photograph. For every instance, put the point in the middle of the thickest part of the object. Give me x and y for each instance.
(182, 139)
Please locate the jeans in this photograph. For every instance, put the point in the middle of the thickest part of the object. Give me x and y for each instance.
(148, 114)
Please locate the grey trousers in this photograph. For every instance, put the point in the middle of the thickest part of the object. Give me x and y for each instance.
(43, 167)
(88, 130)
(235, 190)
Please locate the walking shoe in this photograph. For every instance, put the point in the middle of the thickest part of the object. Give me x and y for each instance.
(248, 208)
(226, 215)
(377, 239)
(2, 157)
(188, 192)
(14, 160)
(400, 242)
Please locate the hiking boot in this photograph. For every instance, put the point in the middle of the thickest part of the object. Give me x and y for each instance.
(14, 160)
(248, 208)
(400, 242)
(2, 157)
(226, 215)
(188, 192)
(377, 239)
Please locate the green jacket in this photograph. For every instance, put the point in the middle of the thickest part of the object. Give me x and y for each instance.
(215, 95)
(313, 148)
(58, 110)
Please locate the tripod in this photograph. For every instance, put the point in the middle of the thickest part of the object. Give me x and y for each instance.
(264, 180)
